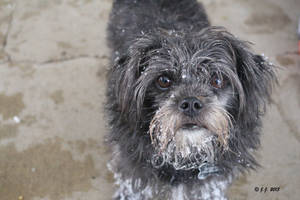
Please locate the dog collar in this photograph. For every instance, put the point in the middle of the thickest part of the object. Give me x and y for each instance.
(208, 169)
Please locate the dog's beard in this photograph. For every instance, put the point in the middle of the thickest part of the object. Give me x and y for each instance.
(187, 143)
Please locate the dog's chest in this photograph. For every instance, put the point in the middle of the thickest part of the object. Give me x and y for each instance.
(211, 189)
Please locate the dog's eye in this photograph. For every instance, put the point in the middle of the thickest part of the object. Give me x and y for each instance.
(163, 82)
(217, 82)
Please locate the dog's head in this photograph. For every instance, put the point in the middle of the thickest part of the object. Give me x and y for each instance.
(198, 97)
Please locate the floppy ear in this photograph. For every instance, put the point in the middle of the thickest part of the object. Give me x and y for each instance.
(257, 78)
(125, 76)
(128, 70)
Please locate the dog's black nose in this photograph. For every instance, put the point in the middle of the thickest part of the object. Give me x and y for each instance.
(190, 106)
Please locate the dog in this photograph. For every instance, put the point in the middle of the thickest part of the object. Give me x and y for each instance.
(184, 101)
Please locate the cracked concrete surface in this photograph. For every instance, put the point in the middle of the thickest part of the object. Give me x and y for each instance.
(53, 60)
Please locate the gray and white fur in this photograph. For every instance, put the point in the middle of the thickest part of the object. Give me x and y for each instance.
(184, 101)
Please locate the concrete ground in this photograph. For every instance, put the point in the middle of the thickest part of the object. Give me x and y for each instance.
(53, 59)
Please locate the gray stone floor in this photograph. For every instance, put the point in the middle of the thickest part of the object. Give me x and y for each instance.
(53, 59)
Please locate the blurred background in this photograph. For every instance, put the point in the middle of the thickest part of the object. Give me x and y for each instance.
(53, 63)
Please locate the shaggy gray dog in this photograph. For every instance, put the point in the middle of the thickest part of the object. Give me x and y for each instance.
(185, 101)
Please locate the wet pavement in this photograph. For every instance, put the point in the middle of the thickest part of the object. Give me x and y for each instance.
(53, 60)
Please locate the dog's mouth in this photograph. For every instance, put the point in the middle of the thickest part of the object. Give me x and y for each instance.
(192, 126)
(191, 144)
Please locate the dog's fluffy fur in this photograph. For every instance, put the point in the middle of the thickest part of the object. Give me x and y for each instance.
(160, 149)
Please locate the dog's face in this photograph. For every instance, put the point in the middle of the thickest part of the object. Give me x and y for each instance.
(192, 95)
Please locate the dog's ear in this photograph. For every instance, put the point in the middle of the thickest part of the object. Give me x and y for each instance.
(257, 78)
(128, 69)
(124, 74)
